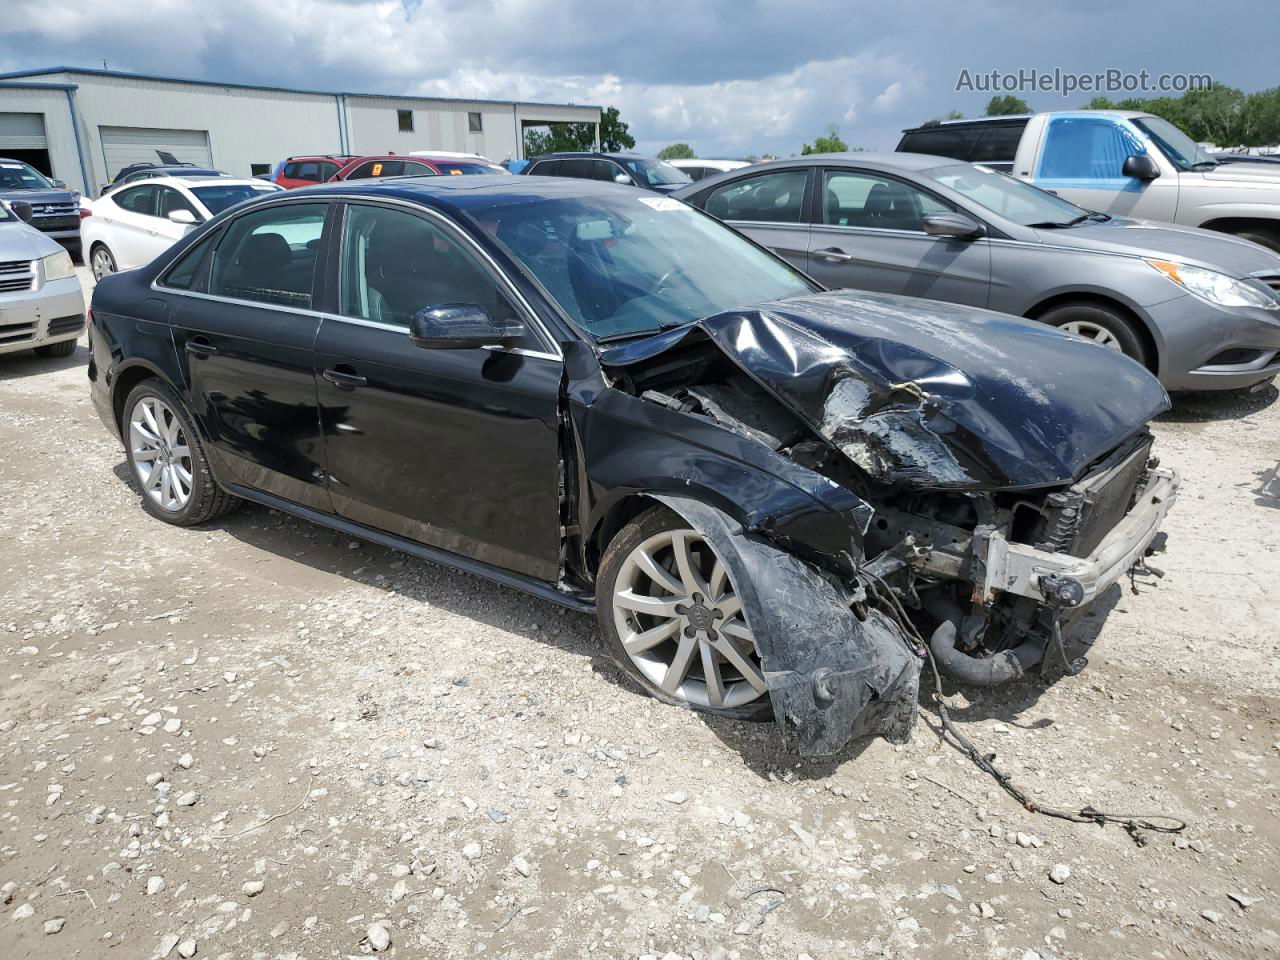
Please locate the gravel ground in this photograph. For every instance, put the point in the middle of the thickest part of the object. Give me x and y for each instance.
(261, 739)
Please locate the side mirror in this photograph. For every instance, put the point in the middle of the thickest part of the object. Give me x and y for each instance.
(22, 210)
(623, 178)
(955, 225)
(60, 184)
(1140, 167)
(459, 326)
(184, 217)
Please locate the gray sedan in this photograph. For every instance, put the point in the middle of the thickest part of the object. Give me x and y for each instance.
(1200, 309)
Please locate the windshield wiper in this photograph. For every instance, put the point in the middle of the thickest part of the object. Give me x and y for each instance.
(646, 332)
(1059, 224)
(1204, 165)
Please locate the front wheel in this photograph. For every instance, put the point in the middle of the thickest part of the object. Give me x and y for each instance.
(167, 462)
(1099, 324)
(101, 262)
(1267, 238)
(673, 620)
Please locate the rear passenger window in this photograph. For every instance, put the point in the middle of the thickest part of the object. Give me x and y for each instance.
(998, 144)
(141, 200)
(395, 263)
(546, 168)
(772, 197)
(954, 142)
(580, 168)
(187, 273)
(269, 256)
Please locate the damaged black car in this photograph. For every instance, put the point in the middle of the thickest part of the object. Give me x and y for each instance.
(768, 493)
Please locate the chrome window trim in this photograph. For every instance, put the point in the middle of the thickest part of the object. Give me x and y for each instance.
(531, 317)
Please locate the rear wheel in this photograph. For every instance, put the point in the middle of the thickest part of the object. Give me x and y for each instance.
(673, 620)
(167, 462)
(1099, 324)
(101, 261)
(64, 349)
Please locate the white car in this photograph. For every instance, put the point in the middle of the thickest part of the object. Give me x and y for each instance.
(133, 225)
(41, 305)
(697, 169)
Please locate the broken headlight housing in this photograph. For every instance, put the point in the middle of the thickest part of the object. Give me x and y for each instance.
(1217, 288)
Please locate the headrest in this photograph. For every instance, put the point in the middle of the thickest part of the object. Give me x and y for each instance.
(264, 251)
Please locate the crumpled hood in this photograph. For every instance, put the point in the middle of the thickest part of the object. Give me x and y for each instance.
(932, 395)
(1165, 241)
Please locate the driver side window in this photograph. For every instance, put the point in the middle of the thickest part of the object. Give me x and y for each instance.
(395, 263)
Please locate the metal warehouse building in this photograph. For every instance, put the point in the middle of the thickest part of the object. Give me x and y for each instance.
(82, 125)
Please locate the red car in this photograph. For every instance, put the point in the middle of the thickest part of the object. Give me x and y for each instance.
(396, 165)
(307, 171)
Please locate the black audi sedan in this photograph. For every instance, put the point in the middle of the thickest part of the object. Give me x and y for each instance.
(610, 400)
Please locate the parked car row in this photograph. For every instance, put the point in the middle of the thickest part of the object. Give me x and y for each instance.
(41, 306)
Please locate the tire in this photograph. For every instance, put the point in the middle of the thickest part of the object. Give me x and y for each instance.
(64, 349)
(101, 261)
(1264, 238)
(159, 433)
(693, 631)
(1101, 324)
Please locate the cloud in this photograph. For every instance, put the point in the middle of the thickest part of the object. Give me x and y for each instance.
(727, 76)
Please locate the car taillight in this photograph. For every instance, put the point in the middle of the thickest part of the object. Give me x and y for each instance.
(85, 212)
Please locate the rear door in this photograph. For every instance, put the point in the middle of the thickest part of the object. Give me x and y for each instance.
(870, 236)
(245, 331)
(768, 207)
(457, 449)
(131, 212)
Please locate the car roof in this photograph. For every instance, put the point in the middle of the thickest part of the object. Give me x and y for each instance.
(464, 194)
(588, 154)
(195, 181)
(342, 157)
(872, 161)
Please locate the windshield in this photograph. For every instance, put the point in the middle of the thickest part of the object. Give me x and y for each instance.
(1006, 197)
(469, 167)
(15, 175)
(1182, 151)
(217, 199)
(625, 265)
(653, 173)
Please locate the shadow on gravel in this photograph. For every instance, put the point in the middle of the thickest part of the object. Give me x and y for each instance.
(1226, 405)
(29, 364)
(759, 744)
(1268, 492)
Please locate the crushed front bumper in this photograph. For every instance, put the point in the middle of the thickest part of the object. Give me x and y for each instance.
(1024, 571)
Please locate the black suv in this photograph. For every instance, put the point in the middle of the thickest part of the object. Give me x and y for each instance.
(990, 141)
(612, 167)
(55, 209)
(611, 400)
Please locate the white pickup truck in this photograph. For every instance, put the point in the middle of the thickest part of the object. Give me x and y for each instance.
(1119, 162)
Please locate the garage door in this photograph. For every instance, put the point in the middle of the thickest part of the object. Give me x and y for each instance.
(122, 146)
(22, 131)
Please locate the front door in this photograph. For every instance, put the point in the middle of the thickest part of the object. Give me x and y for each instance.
(457, 449)
(245, 333)
(768, 208)
(1082, 159)
(870, 236)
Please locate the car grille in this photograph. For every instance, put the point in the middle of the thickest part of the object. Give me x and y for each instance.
(61, 325)
(55, 209)
(17, 275)
(1109, 493)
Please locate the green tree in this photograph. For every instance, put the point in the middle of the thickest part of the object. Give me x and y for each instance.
(1006, 106)
(614, 135)
(950, 115)
(1099, 103)
(676, 151)
(831, 143)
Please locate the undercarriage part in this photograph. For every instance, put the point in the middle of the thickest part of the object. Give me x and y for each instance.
(832, 676)
(990, 671)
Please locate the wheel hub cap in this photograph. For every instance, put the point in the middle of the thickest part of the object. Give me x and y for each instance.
(160, 455)
(682, 625)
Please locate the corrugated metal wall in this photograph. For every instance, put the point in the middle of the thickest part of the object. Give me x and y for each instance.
(55, 118)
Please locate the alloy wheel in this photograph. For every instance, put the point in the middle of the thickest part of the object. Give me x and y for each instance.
(681, 623)
(1095, 332)
(102, 263)
(160, 454)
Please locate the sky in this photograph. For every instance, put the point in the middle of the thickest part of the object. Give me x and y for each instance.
(729, 77)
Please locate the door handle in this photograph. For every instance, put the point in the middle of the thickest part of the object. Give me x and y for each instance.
(200, 348)
(834, 255)
(344, 379)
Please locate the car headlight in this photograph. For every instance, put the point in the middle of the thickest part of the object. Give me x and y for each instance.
(57, 266)
(1215, 287)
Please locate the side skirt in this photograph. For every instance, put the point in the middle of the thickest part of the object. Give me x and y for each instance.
(538, 588)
